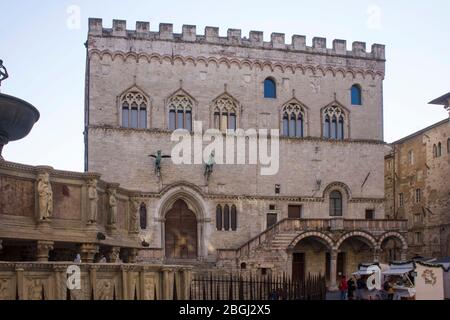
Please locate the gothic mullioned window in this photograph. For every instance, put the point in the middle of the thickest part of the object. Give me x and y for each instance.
(437, 150)
(180, 112)
(334, 120)
(226, 217)
(225, 113)
(134, 106)
(294, 116)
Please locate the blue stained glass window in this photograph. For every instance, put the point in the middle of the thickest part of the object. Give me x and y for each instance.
(356, 95)
(270, 89)
(299, 130)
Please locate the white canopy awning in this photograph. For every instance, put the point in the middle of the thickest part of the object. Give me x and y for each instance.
(397, 271)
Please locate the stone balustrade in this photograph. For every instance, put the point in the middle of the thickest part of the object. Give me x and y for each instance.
(65, 281)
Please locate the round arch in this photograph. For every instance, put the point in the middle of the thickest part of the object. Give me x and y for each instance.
(185, 192)
(369, 239)
(393, 234)
(340, 186)
(312, 234)
(194, 202)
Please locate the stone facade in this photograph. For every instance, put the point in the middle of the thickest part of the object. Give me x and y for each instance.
(47, 281)
(157, 67)
(417, 188)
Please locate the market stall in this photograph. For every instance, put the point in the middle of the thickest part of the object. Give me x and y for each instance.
(365, 271)
(445, 263)
(429, 281)
(400, 277)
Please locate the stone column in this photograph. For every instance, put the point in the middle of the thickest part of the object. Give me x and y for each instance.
(93, 281)
(1, 246)
(125, 283)
(166, 286)
(333, 270)
(403, 255)
(186, 284)
(43, 249)
(20, 283)
(88, 251)
(60, 282)
(376, 255)
(290, 257)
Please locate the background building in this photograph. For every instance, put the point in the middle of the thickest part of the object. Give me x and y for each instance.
(418, 189)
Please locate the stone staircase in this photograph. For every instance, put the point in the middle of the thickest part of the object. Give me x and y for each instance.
(281, 241)
(277, 238)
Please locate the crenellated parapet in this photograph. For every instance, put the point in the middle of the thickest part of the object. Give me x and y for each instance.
(234, 38)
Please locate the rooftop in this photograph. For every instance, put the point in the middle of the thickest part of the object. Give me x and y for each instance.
(444, 100)
(415, 134)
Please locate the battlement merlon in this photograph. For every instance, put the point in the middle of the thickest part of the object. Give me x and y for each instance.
(234, 38)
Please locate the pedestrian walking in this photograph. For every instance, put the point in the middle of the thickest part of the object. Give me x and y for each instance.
(343, 287)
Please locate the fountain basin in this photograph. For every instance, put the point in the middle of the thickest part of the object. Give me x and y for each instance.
(17, 118)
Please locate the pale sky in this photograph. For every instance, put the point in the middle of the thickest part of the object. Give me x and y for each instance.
(42, 48)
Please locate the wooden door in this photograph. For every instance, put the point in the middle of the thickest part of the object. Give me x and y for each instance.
(298, 267)
(271, 219)
(180, 232)
(340, 265)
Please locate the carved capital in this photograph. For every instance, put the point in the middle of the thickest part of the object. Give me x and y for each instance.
(88, 251)
(43, 249)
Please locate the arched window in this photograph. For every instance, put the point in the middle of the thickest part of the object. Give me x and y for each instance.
(180, 112)
(225, 111)
(219, 217)
(226, 218)
(326, 127)
(143, 216)
(411, 157)
(134, 110)
(233, 218)
(335, 204)
(334, 120)
(293, 119)
(448, 145)
(270, 89)
(356, 95)
(435, 152)
(439, 149)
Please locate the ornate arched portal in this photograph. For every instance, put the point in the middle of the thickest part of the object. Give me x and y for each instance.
(190, 200)
(180, 232)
